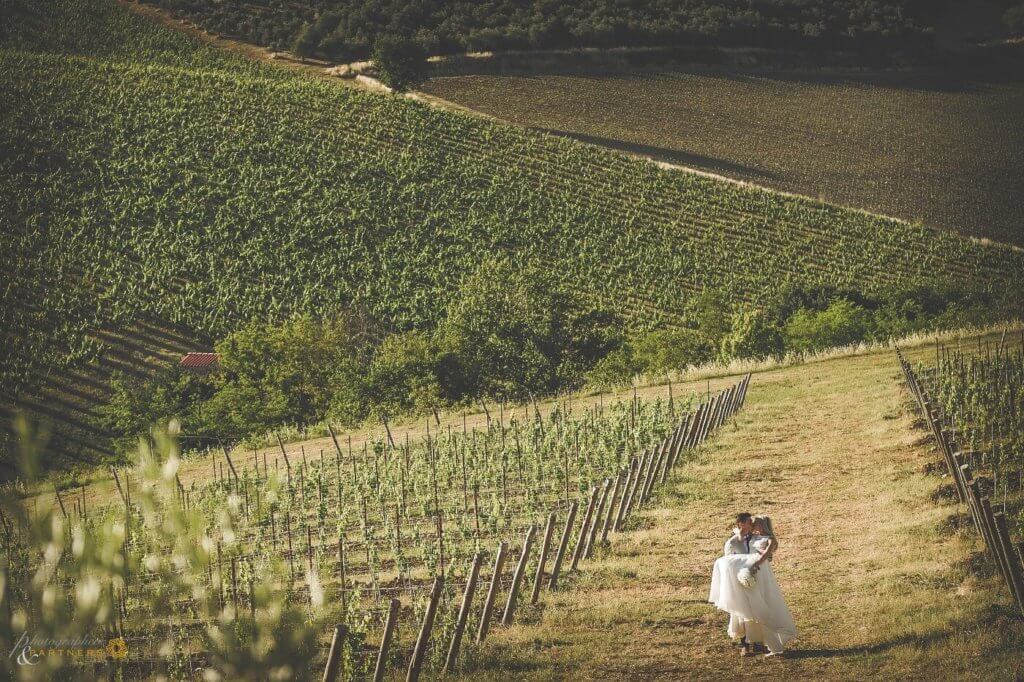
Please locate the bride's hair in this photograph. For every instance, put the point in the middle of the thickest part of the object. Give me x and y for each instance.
(766, 525)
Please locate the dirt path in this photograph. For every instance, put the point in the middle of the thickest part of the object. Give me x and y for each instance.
(830, 452)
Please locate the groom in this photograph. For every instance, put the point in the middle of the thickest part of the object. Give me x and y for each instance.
(739, 543)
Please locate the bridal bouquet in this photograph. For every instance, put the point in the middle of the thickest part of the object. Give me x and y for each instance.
(747, 578)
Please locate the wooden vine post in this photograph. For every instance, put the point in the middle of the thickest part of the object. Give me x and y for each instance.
(517, 577)
(539, 580)
(418, 653)
(334, 657)
(562, 546)
(385, 640)
(492, 593)
(460, 620)
(584, 529)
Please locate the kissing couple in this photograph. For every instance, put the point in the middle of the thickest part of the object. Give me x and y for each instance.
(744, 586)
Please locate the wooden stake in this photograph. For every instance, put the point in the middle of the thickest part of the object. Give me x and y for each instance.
(385, 640)
(424, 638)
(460, 620)
(562, 547)
(334, 658)
(517, 577)
(539, 580)
(492, 593)
(584, 529)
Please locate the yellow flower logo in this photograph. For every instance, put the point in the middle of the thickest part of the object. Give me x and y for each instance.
(117, 649)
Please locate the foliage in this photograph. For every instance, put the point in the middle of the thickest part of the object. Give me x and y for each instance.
(48, 555)
(841, 324)
(404, 375)
(503, 332)
(279, 195)
(136, 403)
(401, 63)
(978, 390)
(246, 570)
(752, 335)
(343, 28)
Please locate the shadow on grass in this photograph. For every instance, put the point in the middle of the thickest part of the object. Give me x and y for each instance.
(998, 614)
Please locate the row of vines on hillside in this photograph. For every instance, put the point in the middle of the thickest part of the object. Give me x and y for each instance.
(207, 197)
(339, 536)
(972, 398)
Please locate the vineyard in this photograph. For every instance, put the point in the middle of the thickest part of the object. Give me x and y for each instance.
(152, 207)
(357, 539)
(940, 148)
(973, 400)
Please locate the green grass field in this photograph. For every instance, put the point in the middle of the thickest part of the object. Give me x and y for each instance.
(937, 148)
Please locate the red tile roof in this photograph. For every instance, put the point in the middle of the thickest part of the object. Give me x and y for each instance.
(200, 360)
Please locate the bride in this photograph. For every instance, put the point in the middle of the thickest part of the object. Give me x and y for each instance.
(757, 613)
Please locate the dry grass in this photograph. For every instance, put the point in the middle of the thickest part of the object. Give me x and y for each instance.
(829, 450)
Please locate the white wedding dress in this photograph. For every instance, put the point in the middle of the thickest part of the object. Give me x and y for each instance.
(759, 613)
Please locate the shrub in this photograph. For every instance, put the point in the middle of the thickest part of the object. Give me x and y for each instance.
(672, 349)
(401, 63)
(615, 369)
(274, 374)
(842, 323)
(135, 404)
(751, 335)
(403, 376)
(501, 333)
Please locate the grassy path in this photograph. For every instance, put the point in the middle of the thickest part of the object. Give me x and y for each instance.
(877, 582)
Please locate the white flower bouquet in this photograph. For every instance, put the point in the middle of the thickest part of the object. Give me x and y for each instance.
(747, 577)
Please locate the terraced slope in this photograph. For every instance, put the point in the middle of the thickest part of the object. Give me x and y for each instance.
(153, 180)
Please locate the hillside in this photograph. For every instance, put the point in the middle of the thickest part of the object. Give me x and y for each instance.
(938, 147)
(159, 193)
(346, 30)
(880, 582)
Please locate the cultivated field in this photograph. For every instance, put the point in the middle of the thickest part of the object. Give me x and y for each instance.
(158, 189)
(937, 148)
(877, 561)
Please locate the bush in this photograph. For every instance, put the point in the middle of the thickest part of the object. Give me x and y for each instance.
(713, 315)
(841, 324)
(307, 41)
(401, 63)
(403, 376)
(752, 334)
(277, 374)
(501, 333)
(672, 349)
(615, 369)
(135, 404)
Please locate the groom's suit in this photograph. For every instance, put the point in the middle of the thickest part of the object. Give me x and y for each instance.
(738, 544)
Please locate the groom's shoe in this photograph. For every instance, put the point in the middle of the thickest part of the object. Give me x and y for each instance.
(745, 651)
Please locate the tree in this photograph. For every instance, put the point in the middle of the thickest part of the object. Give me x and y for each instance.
(502, 333)
(307, 41)
(841, 324)
(672, 349)
(401, 63)
(752, 335)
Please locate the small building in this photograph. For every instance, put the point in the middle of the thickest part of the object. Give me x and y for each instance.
(200, 363)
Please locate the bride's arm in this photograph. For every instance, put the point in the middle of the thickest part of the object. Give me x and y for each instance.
(766, 555)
